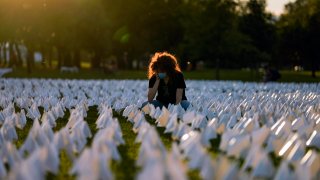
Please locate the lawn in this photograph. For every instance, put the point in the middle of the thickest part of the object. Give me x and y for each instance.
(210, 74)
(126, 169)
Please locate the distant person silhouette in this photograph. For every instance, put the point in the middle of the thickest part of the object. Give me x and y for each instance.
(270, 74)
(166, 79)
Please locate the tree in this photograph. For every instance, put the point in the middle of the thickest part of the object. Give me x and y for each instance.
(301, 24)
(260, 28)
(210, 31)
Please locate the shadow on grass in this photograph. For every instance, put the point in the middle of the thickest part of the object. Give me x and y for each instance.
(214, 148)
(92, 116)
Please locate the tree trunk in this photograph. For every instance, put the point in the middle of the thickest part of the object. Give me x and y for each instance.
(30, 60)
(67, 59)
(217, 69)
(19, 59)
(76, 58)
(313, 72)
(95, 63)
(60, 57)
(50, 57)
(44, 58)
(2, 53)
(313, 67)
(12, 59)
(257, 72)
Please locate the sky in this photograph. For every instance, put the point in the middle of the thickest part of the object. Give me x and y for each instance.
(277, 6)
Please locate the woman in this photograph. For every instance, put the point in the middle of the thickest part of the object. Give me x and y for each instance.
(166, 79)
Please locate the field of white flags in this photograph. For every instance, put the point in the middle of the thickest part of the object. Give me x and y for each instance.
(96, 129)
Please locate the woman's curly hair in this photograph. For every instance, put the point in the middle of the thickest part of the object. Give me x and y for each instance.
(163, 61)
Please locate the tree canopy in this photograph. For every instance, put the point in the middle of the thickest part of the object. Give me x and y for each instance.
(234, 33)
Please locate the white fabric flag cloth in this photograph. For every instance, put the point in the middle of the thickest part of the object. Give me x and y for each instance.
(226, 169)
(264, 168)
(49, 157)
(238, 146)
(183, 129)
(58, 110)
(163, 118)
(150, 141)
(44, 159)
(48, 117)
(103, 120)
(2, 117)
(146, 109)
(8, 111)
(199, 122)
(154, 169)
(284, 172)
(192, 148)
(209, 132)
(92, 165)
(127, 110)
(8, 130)
(260, 163)
(9, 155)
(260, 136)
(226, 137)
(105, 142)
(33, 112)
(47, 128)
(138, 120)
(297, 152)
(20, 119)
(105, 116)
(314, 140)
(62, 140)
(3, 171)
(36, 138)
(31, 169)
(309, 166)
(175, 168)
(208, 169)
(172, 124)
(79, 137)
(188, 117)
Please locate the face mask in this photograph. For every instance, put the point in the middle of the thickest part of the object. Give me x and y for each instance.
(162, 75)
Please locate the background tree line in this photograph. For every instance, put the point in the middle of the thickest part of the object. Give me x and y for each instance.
(224, 33)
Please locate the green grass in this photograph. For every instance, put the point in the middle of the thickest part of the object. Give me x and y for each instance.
(214, 146)
(291, 76)
(23, 133)
(65, 163)
(126, 169)
(92, 116)
(209, 74)
(64, 168)
(129, 152)
(82, 74)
